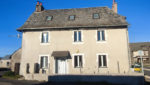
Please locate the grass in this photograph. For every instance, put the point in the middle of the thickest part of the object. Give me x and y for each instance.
(11, 75)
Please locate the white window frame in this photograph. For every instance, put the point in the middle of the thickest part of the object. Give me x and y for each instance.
(102, 60)
(48, 43)
(40, 61)
(83, 60)
(105, 34)
(82, 37)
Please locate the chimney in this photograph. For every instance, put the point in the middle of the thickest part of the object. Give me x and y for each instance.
(39, 7)
(114, 7)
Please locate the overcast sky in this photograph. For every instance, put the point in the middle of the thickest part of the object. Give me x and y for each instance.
(13, 14)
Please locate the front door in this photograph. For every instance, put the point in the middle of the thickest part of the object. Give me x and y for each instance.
(61, 66)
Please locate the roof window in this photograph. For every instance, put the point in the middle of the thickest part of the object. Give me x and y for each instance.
(49, 18)
(72, 17)
(96, 16)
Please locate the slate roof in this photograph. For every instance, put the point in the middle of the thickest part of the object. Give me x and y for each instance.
(83, 18)
(140, 46)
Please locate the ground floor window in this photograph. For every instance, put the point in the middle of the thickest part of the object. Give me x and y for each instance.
(78, 61)
(44, 62)
(102, 60)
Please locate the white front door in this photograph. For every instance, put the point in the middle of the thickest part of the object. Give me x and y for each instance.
(61, 66)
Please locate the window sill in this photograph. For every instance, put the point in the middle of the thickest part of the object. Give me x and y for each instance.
(78, 67)
(78, 42)
(102, 41)
(44, 43)
(103, 67)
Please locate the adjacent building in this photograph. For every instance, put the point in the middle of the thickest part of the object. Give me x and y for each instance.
(140, 50)
(79, 41)
(15, 61)
(5, 62)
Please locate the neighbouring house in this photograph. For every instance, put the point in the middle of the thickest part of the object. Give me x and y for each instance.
(79, 41)
(15, 61)
(136, 50)
(5, 62)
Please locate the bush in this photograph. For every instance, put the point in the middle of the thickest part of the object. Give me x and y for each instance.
(11, 75)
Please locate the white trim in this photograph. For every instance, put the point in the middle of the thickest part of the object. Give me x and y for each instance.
(83, 59)
(102, 61)
(48, 38)
(101, 41)
(48, 59)
(82, 37)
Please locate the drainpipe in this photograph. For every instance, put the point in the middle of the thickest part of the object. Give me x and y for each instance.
(129, 53)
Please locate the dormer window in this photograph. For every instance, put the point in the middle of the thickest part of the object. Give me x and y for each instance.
(72, 17)
(96, 16)
(49, 18)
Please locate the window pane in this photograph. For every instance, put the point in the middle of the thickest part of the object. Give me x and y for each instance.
(80, 61)
(103, 35)
(104, 60)
(75, 61)
(99, 60)
(41, 62)
(45, 37)
(49, 18)
(95, 15)
(46, 62)
(79, 37)
(72, 17)
(98, 35)
(75, 36)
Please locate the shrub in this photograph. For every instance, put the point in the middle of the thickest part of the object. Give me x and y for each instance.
(11, 75)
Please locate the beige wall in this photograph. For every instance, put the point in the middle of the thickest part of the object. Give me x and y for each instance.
(115, 46)
(3, 64)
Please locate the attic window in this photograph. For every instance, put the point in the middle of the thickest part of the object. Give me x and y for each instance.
(96, 16)
(49, 18)
(72, 17)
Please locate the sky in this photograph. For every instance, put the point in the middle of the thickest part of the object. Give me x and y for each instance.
(13, 14)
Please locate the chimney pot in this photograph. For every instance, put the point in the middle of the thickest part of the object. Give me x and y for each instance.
(41, 4)
(38, 3)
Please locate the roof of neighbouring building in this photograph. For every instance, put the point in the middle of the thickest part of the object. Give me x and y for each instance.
(17, 53)
(83, 18)
(140, 46)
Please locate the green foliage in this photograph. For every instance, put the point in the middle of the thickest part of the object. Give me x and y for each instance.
(11, 75)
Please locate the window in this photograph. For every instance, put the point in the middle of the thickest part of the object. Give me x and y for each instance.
(96, 16)
(28, 68)
(72, 17)
(8, 63)
(36, 68)
(78, 61)
(49, 18)
(44, 37)
(100, 35)
(77, 36)
(44, 62)
(102, 61)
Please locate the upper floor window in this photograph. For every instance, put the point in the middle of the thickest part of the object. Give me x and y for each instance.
(49, 18)
(77, 36)
(44, 62)
(96, 16)
(78, 61)
(102, 61)
(44, 37)
(100, 35)
(72, 17)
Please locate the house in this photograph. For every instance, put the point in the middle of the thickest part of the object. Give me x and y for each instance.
(137, 49)
(5, 62)
(79, 41)
(15, 61)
